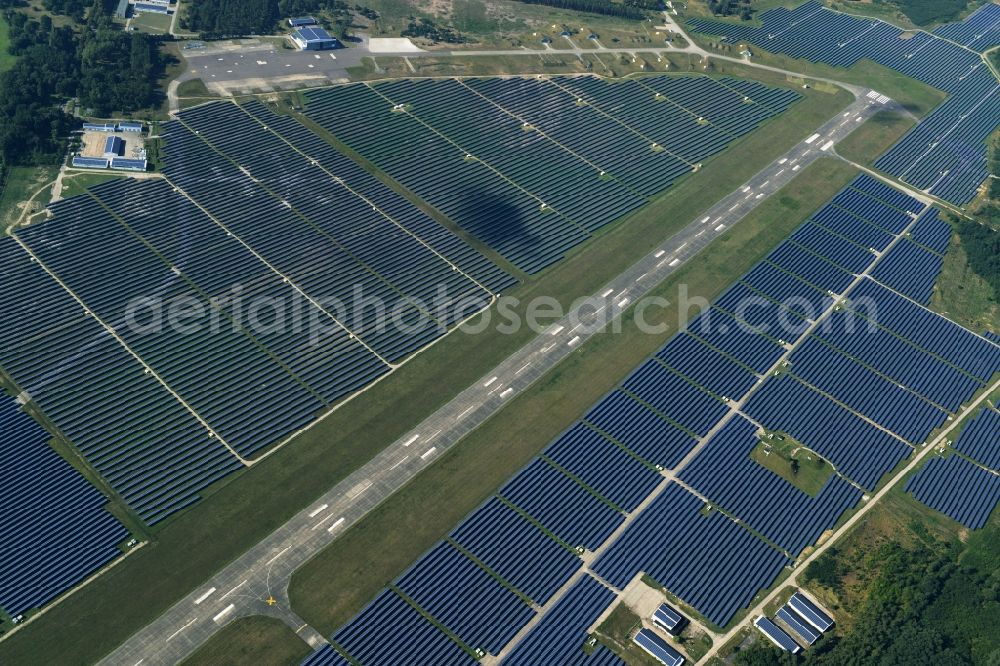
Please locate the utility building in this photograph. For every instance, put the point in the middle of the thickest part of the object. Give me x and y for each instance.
(314, 39)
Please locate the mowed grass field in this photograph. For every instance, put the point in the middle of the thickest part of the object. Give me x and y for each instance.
(238, 512)
(338, 582)
(256, 639)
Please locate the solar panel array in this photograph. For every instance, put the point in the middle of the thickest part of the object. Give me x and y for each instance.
(957, 488)
(724, 473)
(691, 554)
(979, 31)
(325, 656)
(533, 167)
(559, 636)
(946, 152)
(980, 438)
(283, 325)
(54, 529)
(918, 369)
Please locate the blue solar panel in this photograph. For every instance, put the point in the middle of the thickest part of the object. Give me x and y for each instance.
(517, 550)
(777, 635)
(945, 153)
(674, 397)
(735, 338)
(899, 360)
(845, 253)
(390, 631)
(856, 448)
(927, 330)
(852, 227)
(810, 612)
(640, 429)
(561, 505)
(603, 466)
(957, 488)
(691, 555)
(659, 648)
(54, 530)
(796, 623)
(932, 232)
(706, 367)
(724, 473)
(980, 438)
(560, 635)
(466, 599)
(909, 270)
(884, 402)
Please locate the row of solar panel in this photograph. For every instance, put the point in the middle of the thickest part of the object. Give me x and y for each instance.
(533, 167)
(957, 488)
(980, 30)
(945, 152)
(54, 529)
(228, 364)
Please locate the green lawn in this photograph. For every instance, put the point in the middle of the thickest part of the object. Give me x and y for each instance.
(78, 183)
(256, 639)
(339, 581)
(192, 88)
(786, 458)
(154, 24)
(240, 511)
(867, 143)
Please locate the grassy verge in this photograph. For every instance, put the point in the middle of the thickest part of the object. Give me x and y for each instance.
(78, 183)
(22, 183)
(256, 639)
(237, 513)
(193, 88)
(334, 585)
(6, 59)
(962, 295)
(867, 143)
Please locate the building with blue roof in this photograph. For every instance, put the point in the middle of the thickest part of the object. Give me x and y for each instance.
(130, 126)
(777, 635)
(668, 619)
(114, 146)
(126, 164)
(314, 39)
(798, 625)
(810, 612)
(150, 7)
(98, 127)
(658, 648)
(81, 162)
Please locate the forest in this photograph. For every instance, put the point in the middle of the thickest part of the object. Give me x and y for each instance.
(230, 18)
(110, 71)
(622, 10)
(927, 602)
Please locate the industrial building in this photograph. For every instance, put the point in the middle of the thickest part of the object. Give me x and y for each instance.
(152, 8)
(81, 162)
(99, 127)
(314, 39)
(658, 648)
(669, 619)
(810, 612)
(302, 21)
(777, 635)
(114, 146)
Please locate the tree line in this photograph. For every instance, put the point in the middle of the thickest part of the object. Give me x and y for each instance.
(621, 10)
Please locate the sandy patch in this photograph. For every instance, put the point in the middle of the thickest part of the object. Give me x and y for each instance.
(392, 45)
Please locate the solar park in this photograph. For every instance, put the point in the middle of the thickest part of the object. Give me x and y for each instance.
(164, 415)
(530, 168)
(516, 566)
(945, 153)
(533, 167)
